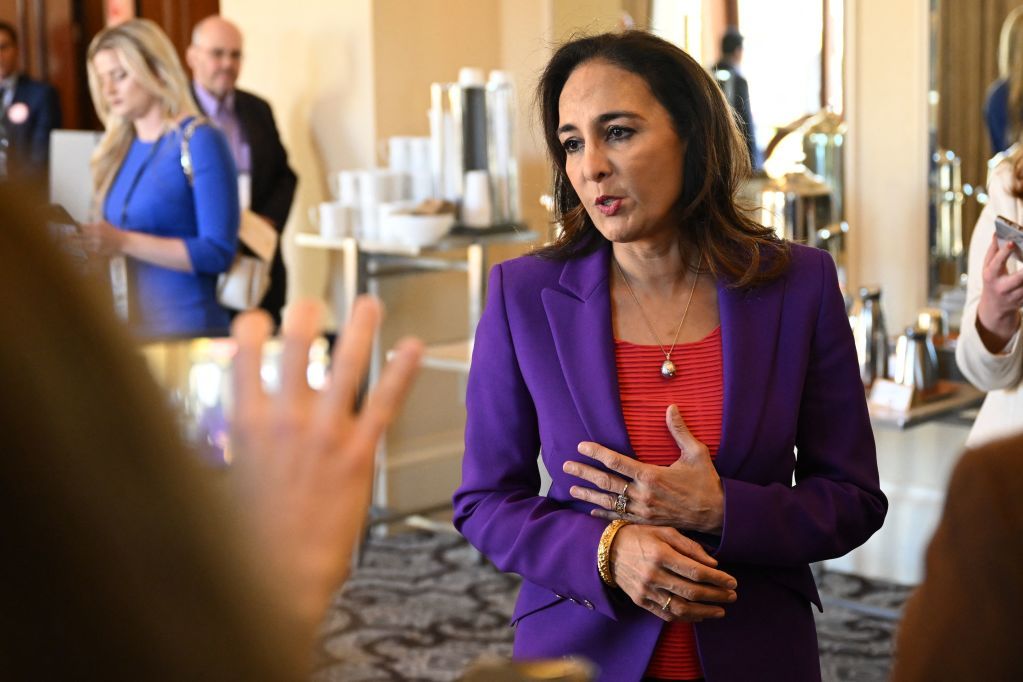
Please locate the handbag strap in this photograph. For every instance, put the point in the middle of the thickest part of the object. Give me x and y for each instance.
(186, 150)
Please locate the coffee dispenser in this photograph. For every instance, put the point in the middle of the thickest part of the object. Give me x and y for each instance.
(916, 360)
(823, 151)
(797, 205)
(870, 335)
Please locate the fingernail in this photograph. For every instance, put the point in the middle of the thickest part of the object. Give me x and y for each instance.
(583, 449)
(568, 468)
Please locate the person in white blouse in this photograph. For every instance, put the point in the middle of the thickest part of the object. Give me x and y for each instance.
(989, 351)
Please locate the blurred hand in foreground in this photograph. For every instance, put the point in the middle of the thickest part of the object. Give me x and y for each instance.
(304, 459)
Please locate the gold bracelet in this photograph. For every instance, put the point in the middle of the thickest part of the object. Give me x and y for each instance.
(604, 551)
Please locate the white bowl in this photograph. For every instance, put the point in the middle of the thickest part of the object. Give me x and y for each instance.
(416, 230)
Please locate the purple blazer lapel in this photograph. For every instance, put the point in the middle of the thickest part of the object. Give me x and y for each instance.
(580, 322)
(750, 321)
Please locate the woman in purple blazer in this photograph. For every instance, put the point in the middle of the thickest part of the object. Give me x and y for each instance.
(655, 255)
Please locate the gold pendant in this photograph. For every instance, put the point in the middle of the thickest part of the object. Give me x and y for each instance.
(668, 369)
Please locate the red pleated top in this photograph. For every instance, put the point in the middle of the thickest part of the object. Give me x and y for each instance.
(698, 390)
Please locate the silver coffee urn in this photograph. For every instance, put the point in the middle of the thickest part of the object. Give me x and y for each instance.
(870, 335)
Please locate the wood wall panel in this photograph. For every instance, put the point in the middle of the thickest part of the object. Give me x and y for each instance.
(966, 64)
(54, 36)
(177, 17)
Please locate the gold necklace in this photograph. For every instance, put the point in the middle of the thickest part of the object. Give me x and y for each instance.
(667, 367)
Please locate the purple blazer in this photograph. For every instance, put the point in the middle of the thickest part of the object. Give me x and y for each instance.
(543, 379)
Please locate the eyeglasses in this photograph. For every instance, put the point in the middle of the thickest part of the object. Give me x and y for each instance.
(221, 53)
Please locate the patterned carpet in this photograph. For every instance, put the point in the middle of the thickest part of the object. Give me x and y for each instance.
(422, 606)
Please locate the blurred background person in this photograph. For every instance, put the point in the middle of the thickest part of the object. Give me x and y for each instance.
(176, 233)
(736, 88)
(215, 58)
(1003, 108)
(989, 351)
(124, 558)
(29, 110)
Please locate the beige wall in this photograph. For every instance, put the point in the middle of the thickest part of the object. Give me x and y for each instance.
(421, 42)
(886, 96)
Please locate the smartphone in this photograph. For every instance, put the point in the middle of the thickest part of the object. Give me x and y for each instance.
(1009, 231)
(61, 227)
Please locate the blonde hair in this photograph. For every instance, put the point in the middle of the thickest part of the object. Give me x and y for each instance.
(1010, 67)
(149, 56)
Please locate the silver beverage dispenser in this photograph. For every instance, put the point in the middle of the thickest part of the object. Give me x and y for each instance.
(870, 335)
(948, 255)
(797, 205)
(824, 152)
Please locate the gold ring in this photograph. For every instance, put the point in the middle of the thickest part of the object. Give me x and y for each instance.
(622, 501)
(667, 603)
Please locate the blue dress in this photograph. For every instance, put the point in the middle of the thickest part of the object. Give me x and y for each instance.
(151, 194)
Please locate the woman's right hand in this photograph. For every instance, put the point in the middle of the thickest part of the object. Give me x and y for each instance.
(101, 238)
(304, 459)
(998, 315)
(653, 564)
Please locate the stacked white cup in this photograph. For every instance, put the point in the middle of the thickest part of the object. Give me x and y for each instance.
(363, 192)
(477, 207)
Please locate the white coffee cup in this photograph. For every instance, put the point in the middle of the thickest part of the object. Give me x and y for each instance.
(399, 154)
(477, 208)
(344, 186)
(332, 218)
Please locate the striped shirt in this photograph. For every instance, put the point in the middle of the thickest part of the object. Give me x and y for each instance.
(698, 390)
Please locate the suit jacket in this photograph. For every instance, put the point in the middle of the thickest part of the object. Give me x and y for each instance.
(544, 378)
(29, 153)
(736, 89)
(962, 623)
(273, 183)
(996, 115)
(1000, 374)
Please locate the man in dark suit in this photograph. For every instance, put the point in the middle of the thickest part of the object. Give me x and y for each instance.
(736, 89)
(962, 623)
(29, 110)
(215, 57)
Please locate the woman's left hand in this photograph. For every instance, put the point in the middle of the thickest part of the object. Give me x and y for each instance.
(102, 238)
(687, 494)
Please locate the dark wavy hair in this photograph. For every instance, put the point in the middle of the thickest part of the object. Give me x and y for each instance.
(716, 161)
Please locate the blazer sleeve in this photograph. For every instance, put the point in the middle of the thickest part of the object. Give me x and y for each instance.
(986, 370)
(836, 502)
(217, 215)
(498, 506)
(277, 181)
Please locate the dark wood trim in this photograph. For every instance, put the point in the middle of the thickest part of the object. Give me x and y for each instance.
(731, 13)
